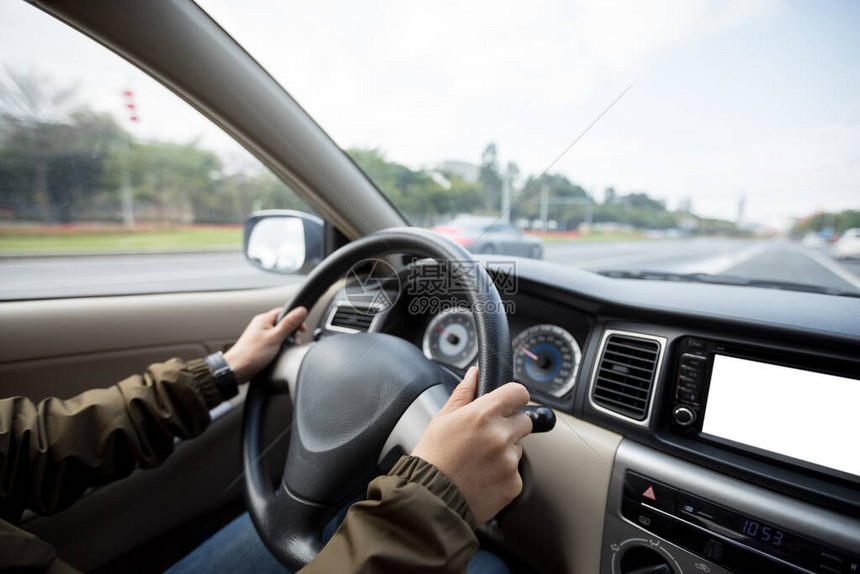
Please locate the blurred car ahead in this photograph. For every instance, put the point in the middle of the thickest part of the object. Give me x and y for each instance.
(487, 234)
(814, 240)
(848, 244)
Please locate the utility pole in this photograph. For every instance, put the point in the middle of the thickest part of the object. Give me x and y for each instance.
(546, 201)
(126, 191)
(506, 197)
(544, 208)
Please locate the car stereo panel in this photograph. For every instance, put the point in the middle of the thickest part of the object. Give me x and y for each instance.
(781, 408)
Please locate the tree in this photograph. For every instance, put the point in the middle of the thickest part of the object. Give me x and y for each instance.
(638, 210)
(836, 222)
(609, 196)
(56, 166)
(180, 180)
(559, 187)
(490, 178)
(30, 110)
(418, 193)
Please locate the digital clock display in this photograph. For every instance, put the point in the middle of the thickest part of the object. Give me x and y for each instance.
(766, 537)
(740, 528)
(763, 532)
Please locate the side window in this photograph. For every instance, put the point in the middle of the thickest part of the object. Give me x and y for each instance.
(110, 183)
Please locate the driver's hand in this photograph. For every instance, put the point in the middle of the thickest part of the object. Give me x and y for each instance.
(476, 443)
(261, 340)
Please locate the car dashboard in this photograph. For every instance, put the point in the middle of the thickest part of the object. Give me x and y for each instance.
(717, 393)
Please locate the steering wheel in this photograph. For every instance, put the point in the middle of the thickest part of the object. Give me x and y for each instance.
(356, 398)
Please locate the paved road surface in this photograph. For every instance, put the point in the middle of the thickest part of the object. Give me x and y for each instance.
(131, 274)
(768, 260)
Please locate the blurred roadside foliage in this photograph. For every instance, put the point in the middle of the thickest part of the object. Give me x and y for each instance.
(828, 222)
(61, 162)
(64, 163)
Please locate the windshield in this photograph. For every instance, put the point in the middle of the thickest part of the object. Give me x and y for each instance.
(698, 141)
(718, 138)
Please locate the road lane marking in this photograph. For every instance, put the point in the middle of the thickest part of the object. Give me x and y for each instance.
(833, 267)
(719, 264)
(645, 260)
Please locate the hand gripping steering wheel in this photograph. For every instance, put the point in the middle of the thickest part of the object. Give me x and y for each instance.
(355, 396)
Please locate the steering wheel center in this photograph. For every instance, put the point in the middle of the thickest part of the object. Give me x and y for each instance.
(358, 386)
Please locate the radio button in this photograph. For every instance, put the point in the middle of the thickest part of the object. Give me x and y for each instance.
(693, 506)
(830, 561)
(650, 492)
(690, 371)
(714, 550)
(695, 344)
(646, 518)
(689, 384)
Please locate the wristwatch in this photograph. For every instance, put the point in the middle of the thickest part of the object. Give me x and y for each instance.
(225, 378)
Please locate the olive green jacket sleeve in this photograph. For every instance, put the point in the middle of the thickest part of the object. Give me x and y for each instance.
(414, 520)
(51, 453)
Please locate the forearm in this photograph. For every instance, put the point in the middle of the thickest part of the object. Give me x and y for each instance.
(414, 520)
(52, 452)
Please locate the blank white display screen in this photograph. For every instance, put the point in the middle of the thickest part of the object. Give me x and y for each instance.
(808, 416)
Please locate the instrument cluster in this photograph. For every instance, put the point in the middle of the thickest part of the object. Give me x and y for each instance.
(546, 357)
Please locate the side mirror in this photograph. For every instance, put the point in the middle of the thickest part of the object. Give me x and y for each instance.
(284, 241)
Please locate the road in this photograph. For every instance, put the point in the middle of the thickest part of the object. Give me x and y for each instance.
(763, 259)
(22, 278)
(130, 274)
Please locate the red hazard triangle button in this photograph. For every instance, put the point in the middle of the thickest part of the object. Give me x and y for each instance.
(650, 493)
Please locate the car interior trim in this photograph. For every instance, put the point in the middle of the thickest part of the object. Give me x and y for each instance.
(413, 422)
(792, 514)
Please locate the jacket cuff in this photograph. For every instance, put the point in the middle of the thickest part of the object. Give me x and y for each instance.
(204, 381)
(419, 471)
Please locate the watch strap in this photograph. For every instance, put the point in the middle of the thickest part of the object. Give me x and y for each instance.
(224, 376)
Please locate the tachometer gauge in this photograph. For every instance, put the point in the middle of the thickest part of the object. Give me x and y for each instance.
(546, 359)
(451, 338)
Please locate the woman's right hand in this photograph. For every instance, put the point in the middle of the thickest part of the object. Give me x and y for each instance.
(476, 443)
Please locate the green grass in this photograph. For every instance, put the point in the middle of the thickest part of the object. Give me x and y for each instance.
(47, 240)
(80, 241)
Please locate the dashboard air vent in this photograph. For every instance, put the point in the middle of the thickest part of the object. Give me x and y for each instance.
(351, 319)
(625, 375)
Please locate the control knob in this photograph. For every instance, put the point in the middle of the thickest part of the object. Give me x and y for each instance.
(683, 415)
(642, 560)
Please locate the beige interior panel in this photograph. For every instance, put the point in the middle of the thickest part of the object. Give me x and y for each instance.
(63, 327)
(65, 377)
(558, 520)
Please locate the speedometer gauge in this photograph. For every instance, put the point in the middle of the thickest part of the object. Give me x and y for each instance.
(546, 359)
(451, 338)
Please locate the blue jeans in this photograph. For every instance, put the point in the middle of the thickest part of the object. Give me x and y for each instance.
(237, 548)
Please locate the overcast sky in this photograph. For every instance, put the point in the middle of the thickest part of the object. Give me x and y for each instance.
(752, 98)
